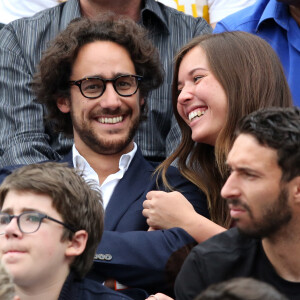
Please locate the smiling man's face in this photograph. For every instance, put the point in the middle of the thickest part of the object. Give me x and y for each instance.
(106, 125)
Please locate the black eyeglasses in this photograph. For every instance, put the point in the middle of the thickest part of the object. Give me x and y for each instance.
(28, 222)
(94, 87)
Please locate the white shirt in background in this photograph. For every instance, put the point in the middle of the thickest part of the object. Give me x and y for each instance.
(11, 10)
(219, 9)
(212, 10)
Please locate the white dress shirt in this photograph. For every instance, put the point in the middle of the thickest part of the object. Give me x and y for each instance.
(109, 184)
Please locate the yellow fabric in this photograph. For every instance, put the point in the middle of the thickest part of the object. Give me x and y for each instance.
(197, 8)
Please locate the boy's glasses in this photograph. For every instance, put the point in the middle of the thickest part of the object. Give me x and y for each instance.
(28, 222)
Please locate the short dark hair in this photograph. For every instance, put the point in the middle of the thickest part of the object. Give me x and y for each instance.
(78, 202)
(279, 129)
(52, 78)
(240, 289)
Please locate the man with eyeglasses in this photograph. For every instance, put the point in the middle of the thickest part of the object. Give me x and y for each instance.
(94, 80)
(23, 138)
(46, 245)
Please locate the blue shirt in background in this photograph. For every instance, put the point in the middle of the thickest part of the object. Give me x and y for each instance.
(272, 21)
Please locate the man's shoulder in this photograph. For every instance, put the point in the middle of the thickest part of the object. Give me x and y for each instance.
(89, 289)
(226, 244)
(46, 23)
(43, 17)
(246, 19)
(224, 256)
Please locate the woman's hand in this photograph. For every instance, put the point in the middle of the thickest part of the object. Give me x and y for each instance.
(166, 210)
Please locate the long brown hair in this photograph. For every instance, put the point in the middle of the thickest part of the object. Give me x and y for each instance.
(252, 77)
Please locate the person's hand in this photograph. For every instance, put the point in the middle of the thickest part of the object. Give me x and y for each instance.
(159, 296)
(166, 210)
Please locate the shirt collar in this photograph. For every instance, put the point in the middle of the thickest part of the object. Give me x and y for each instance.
(277, 11)
(81, 163)
(126, 159)
(151, 13)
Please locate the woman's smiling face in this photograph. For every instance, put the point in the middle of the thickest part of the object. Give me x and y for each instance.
(202, 102)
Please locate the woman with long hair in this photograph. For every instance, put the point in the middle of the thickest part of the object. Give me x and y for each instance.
(218, 79)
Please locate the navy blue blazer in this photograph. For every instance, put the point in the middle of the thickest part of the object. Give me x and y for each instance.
(85, 289)
(128, 252)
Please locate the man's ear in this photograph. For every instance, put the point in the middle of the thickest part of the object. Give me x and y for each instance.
(296, 190)
(78, 243)
(63, 104)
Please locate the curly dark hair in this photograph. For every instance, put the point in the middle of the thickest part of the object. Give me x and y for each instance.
(54, 70)
(279, 129)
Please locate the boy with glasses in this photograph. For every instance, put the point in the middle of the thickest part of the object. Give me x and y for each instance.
(51, 222)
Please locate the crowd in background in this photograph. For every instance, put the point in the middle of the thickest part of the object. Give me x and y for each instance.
(149, 149)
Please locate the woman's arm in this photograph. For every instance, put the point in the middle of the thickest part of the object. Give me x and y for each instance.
(167, 210)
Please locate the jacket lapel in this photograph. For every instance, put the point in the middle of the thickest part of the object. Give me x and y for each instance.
(129, 189)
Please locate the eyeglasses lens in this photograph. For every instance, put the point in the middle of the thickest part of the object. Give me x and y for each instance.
(92, 87)
(28, 222)
(126, 85)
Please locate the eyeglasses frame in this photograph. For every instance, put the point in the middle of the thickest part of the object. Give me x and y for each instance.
(112, 80)
(41, 216)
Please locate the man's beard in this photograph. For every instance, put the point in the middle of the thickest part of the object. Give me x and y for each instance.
(101, 145)
(273, 218)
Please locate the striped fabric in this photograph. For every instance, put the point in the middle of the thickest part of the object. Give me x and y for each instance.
(23, 136)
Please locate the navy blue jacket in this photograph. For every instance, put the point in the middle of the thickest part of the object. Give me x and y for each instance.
(87, 289)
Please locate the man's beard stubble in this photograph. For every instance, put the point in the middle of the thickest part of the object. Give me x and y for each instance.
(273, 218)
(105, 146)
